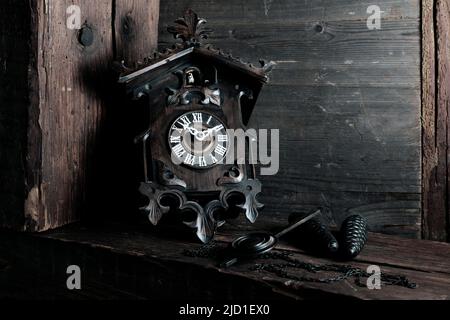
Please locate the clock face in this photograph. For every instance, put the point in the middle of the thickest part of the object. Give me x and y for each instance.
(198, 140)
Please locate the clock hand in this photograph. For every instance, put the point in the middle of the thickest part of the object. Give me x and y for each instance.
(199, 135)
(208, 132)
(191, 130)
(202, 135)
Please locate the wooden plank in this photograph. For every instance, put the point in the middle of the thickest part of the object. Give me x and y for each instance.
(423, 262)
(358, 58)
(57, 110)
(238, 11)
(435, 80)
(443, 99)
(384, 250)
(135, 22)
(433, 183)
(354, 94)
(68, 110)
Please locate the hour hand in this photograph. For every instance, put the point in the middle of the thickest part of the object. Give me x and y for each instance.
(192, 130)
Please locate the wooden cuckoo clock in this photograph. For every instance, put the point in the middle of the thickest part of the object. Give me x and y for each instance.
(196, 94)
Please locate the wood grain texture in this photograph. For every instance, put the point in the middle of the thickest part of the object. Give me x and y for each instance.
(346, 100)
(443, 100)
(433, 183)
(60, 93)
(70, 111)
(435, 103)
(135, 22)
(129, 261)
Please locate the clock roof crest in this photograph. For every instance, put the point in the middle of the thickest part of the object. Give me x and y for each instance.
(192, 31)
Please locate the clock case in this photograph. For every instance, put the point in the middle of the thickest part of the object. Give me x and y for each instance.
(193, 76)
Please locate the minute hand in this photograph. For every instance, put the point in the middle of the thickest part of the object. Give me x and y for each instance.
(202, 135)
(217, 128)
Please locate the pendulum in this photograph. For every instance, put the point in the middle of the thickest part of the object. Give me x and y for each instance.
(255, 244)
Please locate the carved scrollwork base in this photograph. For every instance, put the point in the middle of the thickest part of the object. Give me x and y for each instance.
(249, 189)
(155, 193)
(207, 220)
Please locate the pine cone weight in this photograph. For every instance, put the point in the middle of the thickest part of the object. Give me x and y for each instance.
(354, 236)
(315, 236)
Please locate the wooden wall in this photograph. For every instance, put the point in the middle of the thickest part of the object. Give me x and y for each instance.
(435, 108)
(14, 55)
(56, 92)
(345, 98)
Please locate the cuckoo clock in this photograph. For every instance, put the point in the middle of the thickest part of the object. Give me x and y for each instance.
(196, 94)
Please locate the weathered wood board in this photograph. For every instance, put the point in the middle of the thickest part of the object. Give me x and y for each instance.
(129, 263)
(14, 55)
(345, 98)
(435, 106)
(56, 87)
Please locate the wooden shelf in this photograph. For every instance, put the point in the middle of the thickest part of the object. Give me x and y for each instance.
(138, 262)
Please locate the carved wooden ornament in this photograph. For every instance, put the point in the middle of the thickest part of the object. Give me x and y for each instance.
(195, 94)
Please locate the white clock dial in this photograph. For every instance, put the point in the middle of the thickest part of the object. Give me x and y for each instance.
(198, 139)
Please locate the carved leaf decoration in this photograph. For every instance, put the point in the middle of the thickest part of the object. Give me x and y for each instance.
(154, 209)
(203, 223)
(251, 207)
(154, 212)
(212, 96)
(211, 208)
(233, 176)
(205, 228)
(192, 206)
(172, 96)
(190, 28)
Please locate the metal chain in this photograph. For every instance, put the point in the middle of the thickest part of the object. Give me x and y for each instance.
(209, 250)
(212, 250)
(345, 271)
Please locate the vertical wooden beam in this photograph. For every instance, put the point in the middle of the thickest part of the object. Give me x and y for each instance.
(55, 82)
(435, 82)
(443, 93)
(66, 110)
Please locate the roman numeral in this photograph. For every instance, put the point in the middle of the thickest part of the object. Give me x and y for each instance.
(190, 159)
(184, 121)
(177, 129)
(202, 161)
(209, 120)
(213, 159)
(175, 139)
(178, 150)
(218, 128)
(197, 117)
(220, 150)
(222, 138)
